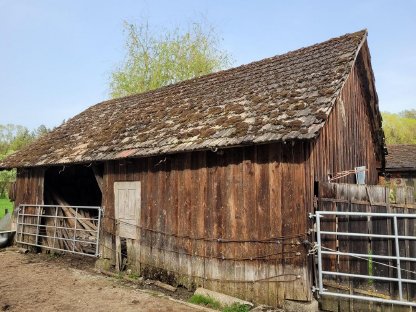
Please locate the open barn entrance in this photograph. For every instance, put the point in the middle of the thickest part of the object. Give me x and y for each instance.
(69, 220)
(76, 185)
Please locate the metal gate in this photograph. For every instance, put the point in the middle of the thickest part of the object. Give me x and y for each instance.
(74, 229)
(370, 256)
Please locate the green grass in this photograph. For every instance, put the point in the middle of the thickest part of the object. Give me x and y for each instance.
(5, 203)
(214, 304)
(205, 301)
(236, 307)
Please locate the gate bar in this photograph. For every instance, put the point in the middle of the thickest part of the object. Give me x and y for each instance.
(367, 214)
(369, 235)
(351, 254)
(318, 240)
(399, 273)
(375, 299)
(381, 278)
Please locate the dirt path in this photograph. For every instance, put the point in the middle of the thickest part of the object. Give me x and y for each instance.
(43, 283)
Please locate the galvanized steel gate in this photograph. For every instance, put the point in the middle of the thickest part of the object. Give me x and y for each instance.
(397, 257)
(74, 229)
(365, 246)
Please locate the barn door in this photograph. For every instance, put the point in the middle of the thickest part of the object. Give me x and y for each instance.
(127, 197)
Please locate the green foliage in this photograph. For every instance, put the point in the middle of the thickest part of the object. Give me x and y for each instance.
(134, 276)
(214, 304)
(5, 203)
(205, 301)
(399, 128)
(236, 307)
(13, 138)
(409, 113)
(153, 61)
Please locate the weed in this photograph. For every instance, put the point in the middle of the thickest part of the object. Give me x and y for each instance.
(236, 307)
(370, 268)
(133, 275)
(205, 301)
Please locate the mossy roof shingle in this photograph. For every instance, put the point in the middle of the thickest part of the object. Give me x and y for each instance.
(286, 97)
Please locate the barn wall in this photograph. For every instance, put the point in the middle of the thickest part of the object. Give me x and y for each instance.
(348, 139)
(244, 196)
(29, 190)
(29, 186)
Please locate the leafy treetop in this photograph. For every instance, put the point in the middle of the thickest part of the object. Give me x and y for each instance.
(153, 61)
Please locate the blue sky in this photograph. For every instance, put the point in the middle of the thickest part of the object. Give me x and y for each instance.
(56, 56)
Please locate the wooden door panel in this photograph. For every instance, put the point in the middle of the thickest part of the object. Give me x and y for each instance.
(127, 196)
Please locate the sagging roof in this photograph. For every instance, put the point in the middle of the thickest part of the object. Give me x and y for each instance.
(401, 157)
(286, 97)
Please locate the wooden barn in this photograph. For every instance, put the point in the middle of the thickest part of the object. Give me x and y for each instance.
(209, 182)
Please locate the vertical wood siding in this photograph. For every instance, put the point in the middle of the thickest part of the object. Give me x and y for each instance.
(29, 190)
(29, 186)
(222, 220)
(348, 138)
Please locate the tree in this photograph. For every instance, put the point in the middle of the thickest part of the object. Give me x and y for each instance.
(409, 113)
(399, 128)
(153, 61)
(13, 138)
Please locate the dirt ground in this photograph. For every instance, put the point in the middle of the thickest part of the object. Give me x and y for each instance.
(41, 282)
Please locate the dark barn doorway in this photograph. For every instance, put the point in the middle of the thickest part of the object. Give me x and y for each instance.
(76, 185)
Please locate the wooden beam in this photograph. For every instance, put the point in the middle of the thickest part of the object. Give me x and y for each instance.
(98, 177)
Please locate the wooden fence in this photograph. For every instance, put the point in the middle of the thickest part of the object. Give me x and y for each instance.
(365, 198)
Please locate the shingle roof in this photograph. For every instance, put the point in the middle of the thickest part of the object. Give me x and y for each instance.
(281, 98)
(401, 157)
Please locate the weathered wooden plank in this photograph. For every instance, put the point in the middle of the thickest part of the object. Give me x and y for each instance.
(210, 223)
(262, 221)
(240, 221)
(172, 217)
(249, 204)
(229, 221)
(276, 289)
(199, 207)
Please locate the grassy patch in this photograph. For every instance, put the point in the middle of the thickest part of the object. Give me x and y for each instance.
(205, 301)
(133, 276)
(5, 203)
(236, 307)
(214, 304)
